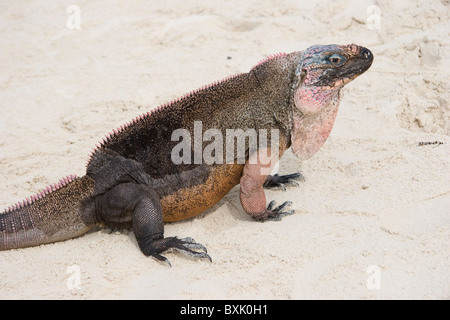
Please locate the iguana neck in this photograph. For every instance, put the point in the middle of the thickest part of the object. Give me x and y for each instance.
(277, 81)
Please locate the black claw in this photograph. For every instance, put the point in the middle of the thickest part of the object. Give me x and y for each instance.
(161, 258)
(191, 244)
(278, 212)
(153, 247)
(274, 214)
(270, 206)
(186, 247)
(281, 215)
(281, 182)
(285, 204)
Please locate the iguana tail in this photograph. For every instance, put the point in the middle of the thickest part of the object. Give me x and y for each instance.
(60, 212)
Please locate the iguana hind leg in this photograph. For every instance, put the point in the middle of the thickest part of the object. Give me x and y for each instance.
(140, 205)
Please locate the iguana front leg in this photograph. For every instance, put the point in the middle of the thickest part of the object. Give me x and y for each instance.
(141, 204)
(252, 196)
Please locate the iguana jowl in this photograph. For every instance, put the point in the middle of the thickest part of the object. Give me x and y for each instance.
(132, 182)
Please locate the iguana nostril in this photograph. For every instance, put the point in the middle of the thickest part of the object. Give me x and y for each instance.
(366, 53)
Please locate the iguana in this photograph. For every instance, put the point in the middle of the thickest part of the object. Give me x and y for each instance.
(132, 180)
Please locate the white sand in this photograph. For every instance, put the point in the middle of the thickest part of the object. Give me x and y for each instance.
(373, 200)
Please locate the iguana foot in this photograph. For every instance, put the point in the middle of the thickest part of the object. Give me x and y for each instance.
(281, 182)
(154, 247)
(274, 214)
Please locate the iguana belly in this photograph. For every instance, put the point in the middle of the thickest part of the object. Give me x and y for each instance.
(189, 202)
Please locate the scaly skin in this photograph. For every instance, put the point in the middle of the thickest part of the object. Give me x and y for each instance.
(131, 180)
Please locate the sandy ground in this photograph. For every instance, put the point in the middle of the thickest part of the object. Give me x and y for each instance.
(372, 218)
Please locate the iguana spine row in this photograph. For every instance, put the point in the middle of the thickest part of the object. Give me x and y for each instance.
(160, 109)
(41, 194)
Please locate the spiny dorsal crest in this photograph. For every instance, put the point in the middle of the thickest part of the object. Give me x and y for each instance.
(273, 56)
(115, 132)
(41, 194)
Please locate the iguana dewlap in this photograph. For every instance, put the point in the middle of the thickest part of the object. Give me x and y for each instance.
(133, 181)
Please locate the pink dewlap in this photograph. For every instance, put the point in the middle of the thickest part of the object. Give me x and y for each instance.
(312, 99)
(311, 130)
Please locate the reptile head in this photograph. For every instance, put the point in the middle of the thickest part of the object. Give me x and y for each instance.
(333, 66)
(323, 71)
(326, 69)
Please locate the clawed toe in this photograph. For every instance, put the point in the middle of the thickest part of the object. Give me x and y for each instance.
(282, 182)
(188, 246)
(274, 214)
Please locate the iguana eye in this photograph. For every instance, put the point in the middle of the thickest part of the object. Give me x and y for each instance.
(335, 60)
